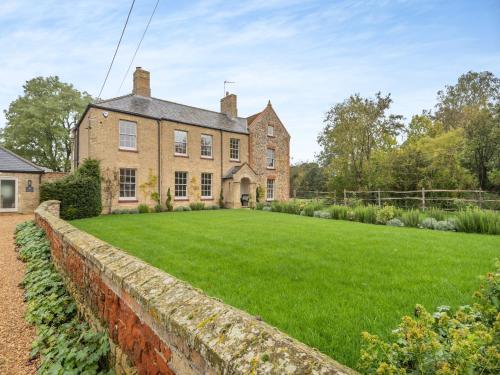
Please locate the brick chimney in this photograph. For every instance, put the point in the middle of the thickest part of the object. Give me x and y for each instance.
(141, 82)
(228, 105)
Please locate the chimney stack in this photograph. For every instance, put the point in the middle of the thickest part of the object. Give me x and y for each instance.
(141, 82)
(228, 105)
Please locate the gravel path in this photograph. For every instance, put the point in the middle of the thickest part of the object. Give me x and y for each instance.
(16, 335)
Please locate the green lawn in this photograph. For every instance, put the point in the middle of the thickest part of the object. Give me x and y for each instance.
(321, 281)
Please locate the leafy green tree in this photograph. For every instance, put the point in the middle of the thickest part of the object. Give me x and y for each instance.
(355, 129)
(308, 176)
(39, 122)
(423, 125)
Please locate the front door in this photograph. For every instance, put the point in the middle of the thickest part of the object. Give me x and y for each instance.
(8, 194)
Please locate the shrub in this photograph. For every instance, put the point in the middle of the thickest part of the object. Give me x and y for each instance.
(158, 208)
(290, 207)
(168, 203)
(446, 225)
(395, 223)
(385, 214)
(266, 208)
(310, 207)
(436, 213)
(221, 199)
(365, 214)
(428, 223)
(323, 214)
(132, 211)
(478, 221)
(79, 193)
(411, 218)
(143, 208)
(338, 212)
(213, 207)
(259, 206)
(187, 208)
(446, 342)
(197, 206)
(179, 208)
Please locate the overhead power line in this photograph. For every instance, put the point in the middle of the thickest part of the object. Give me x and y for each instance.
(139, 45)
(117, 47)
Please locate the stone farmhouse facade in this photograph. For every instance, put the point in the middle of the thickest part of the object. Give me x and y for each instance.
(154, 145)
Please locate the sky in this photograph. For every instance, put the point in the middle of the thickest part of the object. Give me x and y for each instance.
(304, 56)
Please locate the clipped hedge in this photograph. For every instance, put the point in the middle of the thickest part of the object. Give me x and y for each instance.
(79, 193)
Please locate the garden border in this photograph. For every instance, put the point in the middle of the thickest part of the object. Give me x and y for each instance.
(159, 324)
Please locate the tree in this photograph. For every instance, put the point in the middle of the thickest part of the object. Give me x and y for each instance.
(354, 129)
(423, 125)
(473, 89)
(39, 122)
(307, 176)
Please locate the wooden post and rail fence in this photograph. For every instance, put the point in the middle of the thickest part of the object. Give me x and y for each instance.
(423, 198)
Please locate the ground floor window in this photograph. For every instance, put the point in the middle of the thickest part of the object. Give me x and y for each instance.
(206, 185)
(181, 184)
(270, 190)
(127, 183)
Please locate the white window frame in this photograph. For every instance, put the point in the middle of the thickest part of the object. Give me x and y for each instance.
(204, 147)
(270, 130)
(127, 198)
(176, 183)
(16, 193)
(180, 143)
(203, 183)
(232, 149)
(126, 131)
(271, 159)
(270, 186)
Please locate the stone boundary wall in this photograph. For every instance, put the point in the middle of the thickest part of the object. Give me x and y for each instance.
(158, 324)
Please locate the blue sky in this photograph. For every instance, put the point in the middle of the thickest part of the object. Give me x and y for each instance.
(303, 55)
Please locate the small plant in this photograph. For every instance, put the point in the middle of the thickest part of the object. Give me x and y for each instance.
(436, 213)
(158, 208)
(197, 206)
(143, 209)
(221, 199)
(179, 208)
(168, 203)
(464, 341)
(187, 208)
(310, 207)
(266, 208)
(322, 214)
(428, 223)
(259, 194)
(259, 206)
(365, 214)
(411, 218)
(446, 225)
(385, 214)
(338, 212)
(395, 223)
(478, 221)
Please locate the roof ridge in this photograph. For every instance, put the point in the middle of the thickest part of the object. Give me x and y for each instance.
(21, 158)
(191, 106)
(115, 98)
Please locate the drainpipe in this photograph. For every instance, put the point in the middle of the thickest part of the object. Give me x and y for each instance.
(159, 159)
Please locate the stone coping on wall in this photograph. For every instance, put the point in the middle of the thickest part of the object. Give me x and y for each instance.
(187, 321)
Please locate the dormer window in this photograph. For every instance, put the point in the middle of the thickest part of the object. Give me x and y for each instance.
(270, 131)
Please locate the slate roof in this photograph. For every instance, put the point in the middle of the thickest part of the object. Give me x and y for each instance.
(10, 162)
(165, 110)
(231, 172)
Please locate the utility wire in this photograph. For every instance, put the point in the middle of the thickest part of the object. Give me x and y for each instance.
(116, 50)
(138, 45)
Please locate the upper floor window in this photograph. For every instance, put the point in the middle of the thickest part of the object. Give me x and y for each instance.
(234, 149)
(128, 135)
(206, 185)
(270, 158)
(270, 130)
(181, 184)
(206, 145)
(180, 142)
(127, 184)
(270, 190)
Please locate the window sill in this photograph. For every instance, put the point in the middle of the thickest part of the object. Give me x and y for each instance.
(182, 155)
(181, 199)
(234, 160)
(128, 200)
(270, 200)
(207, 157)
(207, 198)
(271, 168)
(127, 149)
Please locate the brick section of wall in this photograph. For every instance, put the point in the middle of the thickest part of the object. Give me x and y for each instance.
(160, 325)
(53, 176)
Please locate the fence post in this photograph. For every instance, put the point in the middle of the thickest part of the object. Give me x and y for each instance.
(423, 199)
(345, 198)
(378, 197)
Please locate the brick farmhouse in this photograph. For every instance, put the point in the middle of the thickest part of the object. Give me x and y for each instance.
(153, 145)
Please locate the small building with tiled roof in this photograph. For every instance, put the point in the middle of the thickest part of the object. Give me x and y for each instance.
(197, 154)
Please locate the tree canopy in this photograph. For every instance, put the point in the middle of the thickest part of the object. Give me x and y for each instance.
(39, 122)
